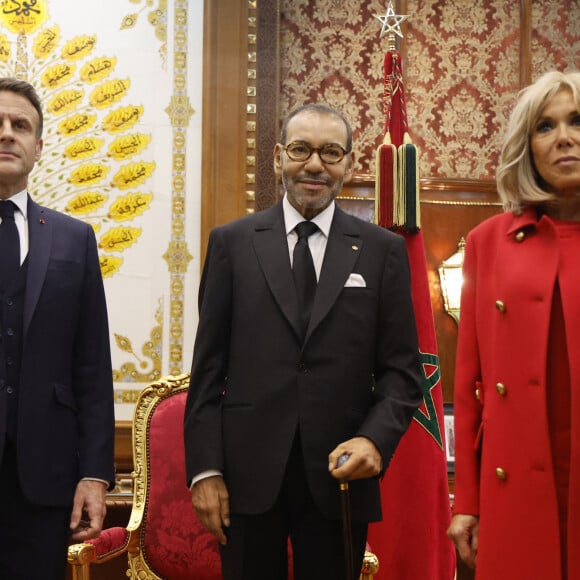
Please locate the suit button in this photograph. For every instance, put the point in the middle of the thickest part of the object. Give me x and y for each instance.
(520, 236)
(10, 302)
(500, 388)
(9, 360)
(303, 368)
(500, 306)
(10, 331)
(500, 473)
(9, 390)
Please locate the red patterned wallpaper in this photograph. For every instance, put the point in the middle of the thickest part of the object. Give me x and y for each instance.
(461, 71)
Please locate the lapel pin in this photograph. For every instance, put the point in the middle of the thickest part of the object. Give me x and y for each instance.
(42, 220)
(355, 248)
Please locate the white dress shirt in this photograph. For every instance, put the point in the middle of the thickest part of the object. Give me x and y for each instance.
(20, 200)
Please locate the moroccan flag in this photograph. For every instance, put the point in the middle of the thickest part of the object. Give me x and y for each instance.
(411, 541)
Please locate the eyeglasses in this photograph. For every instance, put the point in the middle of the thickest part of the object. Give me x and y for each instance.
(331, 153)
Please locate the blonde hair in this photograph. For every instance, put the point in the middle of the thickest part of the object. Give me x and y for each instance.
(518, 182)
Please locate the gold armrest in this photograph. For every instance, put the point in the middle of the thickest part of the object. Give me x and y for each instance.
(81, 556)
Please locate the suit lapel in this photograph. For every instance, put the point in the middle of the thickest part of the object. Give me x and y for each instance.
(342, 251)
(271, 248)
(40, 242)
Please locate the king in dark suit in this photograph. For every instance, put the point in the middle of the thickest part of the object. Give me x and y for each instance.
(56, 393)
(273, 404)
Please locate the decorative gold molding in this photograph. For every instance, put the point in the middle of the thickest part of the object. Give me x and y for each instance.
(251, 108)
(157, 17)
(151, 357)
(150, 398)
(356, 198)
(177, 254)
(460, 202)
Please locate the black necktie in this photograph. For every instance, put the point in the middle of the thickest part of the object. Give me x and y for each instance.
(304, 272)
(9, 244)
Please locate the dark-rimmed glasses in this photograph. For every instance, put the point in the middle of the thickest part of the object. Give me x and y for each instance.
(301, 151)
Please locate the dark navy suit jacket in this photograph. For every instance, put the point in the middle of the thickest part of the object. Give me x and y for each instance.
(65, 425)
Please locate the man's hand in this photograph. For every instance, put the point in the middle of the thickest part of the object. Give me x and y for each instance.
(364, 459)
(89, 499)
(464, 531)
(211, 504)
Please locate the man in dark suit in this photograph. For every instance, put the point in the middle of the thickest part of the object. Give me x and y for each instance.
(56, 393)
(277, 394)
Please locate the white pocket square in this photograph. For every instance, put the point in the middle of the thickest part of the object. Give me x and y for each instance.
(355, 281)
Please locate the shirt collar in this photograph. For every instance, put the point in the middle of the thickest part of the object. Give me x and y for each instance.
(292, 217)
(20, 199)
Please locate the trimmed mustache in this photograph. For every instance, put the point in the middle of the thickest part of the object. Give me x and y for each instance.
(314, 177)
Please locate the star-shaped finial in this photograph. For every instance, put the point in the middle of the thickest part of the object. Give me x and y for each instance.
(391, 22)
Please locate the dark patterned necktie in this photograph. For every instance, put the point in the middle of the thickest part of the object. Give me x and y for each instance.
(304, 272)
(9, 244)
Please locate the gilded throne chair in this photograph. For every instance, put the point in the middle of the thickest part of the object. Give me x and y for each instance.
(164, 539)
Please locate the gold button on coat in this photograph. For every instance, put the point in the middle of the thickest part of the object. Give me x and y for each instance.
(520, 236)
(500, 473)
(500, 388)
(477, 394)
(500, 305)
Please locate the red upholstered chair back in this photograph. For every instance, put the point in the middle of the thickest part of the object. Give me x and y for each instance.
(163, 539)
(173, 542)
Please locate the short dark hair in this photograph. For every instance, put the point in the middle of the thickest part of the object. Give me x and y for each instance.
(317, 108)
(13, 85)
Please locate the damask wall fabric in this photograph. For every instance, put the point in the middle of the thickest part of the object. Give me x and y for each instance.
(462, 71)
(121, 104)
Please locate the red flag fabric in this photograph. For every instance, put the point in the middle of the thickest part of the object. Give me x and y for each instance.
(411, 541)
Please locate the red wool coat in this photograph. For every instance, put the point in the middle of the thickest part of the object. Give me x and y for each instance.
(504, 470)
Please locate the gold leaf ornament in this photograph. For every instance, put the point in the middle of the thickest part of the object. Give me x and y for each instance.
(98, 69)
(57, 75)
(130, 206)
(123, 343)
(129, 21)
(122, 119)
(65, 101)
(79, 47)
(23, 17)
(133, 174)
(128, 145)
(83, 148)
(109, 93)
(4, 48)
(110, 265)
(88, 174)
(119, 239)
(45, 42)
(85, 203)
(76, 124)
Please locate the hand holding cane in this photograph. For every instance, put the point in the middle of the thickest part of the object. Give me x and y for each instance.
(346, 525)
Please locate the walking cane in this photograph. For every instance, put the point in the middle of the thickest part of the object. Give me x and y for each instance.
(346, 526)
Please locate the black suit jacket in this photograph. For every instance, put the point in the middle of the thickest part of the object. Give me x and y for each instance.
(65, 425)
(254, 381)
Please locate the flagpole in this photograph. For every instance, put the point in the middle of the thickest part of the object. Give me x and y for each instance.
(414, 490)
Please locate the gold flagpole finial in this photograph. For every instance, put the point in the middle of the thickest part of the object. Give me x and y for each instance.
(391, 24)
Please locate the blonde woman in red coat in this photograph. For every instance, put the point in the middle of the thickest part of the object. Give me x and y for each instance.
(517, 383)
